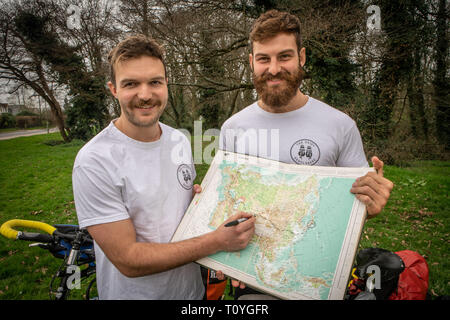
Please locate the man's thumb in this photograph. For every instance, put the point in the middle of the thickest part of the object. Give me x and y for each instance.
(378, 165)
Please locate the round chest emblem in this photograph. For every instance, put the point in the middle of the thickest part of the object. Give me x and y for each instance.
(185, 176)
(305, 152)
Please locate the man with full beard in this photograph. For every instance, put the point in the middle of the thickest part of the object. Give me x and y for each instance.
(289, 126)
(131, 190)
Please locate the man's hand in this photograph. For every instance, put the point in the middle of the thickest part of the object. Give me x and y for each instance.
(236, 283)
(196, 189)
(373, 189)
(237, 237)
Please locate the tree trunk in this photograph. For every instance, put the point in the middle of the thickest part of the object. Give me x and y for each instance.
(419, 123)
(45, 92)
(441, 83)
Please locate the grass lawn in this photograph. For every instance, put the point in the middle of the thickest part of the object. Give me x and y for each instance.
(35, 179)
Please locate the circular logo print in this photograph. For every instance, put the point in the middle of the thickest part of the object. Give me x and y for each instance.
(185, 176)
(305, 152)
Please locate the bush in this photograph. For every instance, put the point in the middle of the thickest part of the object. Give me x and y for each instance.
(7, 120)
(87, 114)
(26, 113)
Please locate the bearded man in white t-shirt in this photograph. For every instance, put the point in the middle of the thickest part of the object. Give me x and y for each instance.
(132, 184)
(289, 126)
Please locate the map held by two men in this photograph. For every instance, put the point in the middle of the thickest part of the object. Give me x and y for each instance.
(307, 231)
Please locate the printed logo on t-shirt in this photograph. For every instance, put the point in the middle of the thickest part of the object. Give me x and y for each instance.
(305, 152)
(185, 176)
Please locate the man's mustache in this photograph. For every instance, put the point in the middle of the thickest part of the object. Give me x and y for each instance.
(281, 75)
(144, 103)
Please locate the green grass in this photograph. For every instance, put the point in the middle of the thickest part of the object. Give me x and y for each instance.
(35, 179)
(36, 184)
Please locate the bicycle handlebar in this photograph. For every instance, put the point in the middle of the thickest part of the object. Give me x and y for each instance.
(8, 231)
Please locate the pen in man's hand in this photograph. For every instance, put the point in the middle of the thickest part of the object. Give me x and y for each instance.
(235, 222)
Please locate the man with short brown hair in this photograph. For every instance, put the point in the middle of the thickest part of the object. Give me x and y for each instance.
(131, 190)
(289, 126)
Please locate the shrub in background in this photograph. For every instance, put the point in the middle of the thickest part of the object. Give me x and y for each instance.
(7, 120)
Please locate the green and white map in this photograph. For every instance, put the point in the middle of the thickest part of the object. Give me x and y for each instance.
(308, 224)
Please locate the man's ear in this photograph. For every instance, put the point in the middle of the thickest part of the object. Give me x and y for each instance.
(250, 58)
(112, 88)
(302, 56)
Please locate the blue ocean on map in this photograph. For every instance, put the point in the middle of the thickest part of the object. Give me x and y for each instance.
(322, 243)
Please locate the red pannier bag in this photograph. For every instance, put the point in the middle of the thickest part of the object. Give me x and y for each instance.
(413, 281)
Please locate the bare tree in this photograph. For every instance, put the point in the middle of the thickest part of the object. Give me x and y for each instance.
(94, 35)
(22, 67)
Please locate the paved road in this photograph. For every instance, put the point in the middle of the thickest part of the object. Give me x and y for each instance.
(24, 133)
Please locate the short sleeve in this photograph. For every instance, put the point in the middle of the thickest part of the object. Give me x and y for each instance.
(227, 139)
(351, 153)
(97, 199)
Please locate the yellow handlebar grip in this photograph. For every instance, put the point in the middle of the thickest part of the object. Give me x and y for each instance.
(7, 229)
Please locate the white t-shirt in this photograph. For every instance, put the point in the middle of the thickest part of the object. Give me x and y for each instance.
(315, 134)
(116, 178)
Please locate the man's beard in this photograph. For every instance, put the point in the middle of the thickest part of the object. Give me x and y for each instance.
(131, 116)
(279, 95)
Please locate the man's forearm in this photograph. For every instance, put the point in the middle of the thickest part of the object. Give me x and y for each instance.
(143, 258)
(134, 259)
